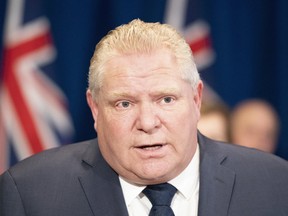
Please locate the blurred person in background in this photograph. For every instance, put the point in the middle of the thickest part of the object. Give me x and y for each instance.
(214, 120)
(255, 124)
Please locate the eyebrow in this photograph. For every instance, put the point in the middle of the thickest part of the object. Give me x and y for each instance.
(129, 94)
(120, 94)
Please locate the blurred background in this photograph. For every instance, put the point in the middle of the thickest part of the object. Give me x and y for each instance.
(240, 47)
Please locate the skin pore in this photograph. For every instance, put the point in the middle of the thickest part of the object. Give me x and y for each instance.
(146, 117)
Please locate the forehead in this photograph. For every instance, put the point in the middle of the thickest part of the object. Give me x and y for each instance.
(155, 72)
(160, 61)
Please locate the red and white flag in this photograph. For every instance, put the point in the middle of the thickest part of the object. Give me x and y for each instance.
(33, 109)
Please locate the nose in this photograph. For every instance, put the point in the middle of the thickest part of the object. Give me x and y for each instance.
(148, 120)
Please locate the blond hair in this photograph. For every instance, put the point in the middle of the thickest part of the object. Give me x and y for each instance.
(138, 37)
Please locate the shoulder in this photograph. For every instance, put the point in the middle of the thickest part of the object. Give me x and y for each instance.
(244, 159)
(55, 160)
(258, 179)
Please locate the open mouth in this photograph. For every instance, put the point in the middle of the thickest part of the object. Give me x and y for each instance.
(151, 147)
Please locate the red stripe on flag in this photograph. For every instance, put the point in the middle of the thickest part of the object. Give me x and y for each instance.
(200, 44)
(28, 46)
(25, 116)
(22, 111)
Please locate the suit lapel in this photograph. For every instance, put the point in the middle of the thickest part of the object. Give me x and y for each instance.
(216, 181)
(101, 185)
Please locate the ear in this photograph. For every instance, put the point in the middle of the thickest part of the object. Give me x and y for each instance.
(93, 106)
(198, 97)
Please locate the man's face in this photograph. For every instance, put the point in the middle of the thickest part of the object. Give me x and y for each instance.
(146, 117)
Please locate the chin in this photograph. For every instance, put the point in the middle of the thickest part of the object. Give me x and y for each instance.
(156, 176)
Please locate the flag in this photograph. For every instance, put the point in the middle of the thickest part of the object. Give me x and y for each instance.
(33, 109)
(187, 17)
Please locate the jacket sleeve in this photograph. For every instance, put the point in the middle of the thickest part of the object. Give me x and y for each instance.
(10, 199)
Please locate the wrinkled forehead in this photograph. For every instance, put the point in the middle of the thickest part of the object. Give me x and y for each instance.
(152, 83)
(142, 65)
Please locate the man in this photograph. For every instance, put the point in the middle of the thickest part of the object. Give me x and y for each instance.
(145, 97)
(255, 124)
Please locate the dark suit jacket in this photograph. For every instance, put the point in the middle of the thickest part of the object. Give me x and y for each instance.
(75, 180)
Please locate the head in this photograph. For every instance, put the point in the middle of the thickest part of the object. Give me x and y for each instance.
(139, 37)
(145, 95)
(214, 121)
(255, 124)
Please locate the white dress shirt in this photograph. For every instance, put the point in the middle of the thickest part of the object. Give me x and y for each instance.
(185, 201)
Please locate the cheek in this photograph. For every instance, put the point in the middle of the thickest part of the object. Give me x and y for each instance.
(114, 126)
(111, 134)
(195, 112)
(184, 114)
(192, 113)
(121, 125)
(183, 124)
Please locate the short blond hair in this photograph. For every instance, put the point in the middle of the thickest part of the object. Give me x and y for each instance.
(138, 37)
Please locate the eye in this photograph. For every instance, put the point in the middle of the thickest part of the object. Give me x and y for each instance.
(123, 104)
(167, 100)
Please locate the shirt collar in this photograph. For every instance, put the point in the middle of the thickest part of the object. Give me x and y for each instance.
(130, 191)
(186, 183)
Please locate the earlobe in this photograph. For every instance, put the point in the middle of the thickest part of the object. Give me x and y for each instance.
(93, 106)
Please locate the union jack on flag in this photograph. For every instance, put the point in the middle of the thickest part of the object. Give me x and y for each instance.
(33, 109)
(187, 17)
